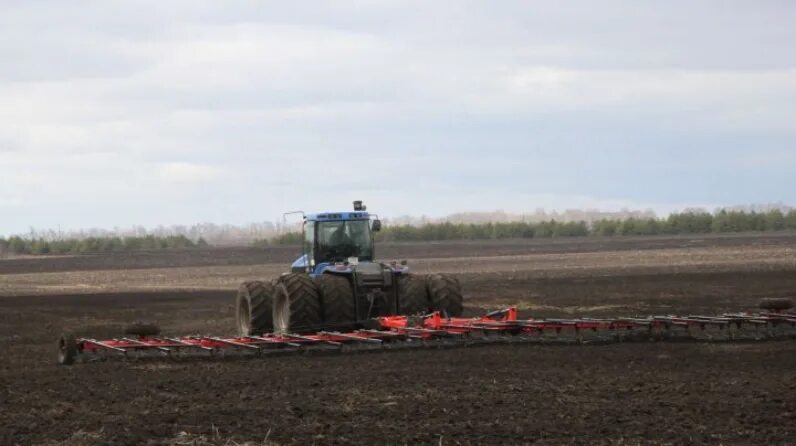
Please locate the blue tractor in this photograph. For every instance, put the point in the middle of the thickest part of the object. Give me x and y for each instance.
(336, 283)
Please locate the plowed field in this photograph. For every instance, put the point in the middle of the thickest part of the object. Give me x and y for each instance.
(639, 393)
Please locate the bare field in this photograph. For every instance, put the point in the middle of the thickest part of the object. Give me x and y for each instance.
(669, 260)
(656, 393)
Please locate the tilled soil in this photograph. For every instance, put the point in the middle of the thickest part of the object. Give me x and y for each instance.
(630, 393)
(285, 254)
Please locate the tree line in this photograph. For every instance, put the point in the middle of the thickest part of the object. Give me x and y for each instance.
(723, 221)
(692, 222)
(286, 238)
(214, 234)
(21, 245)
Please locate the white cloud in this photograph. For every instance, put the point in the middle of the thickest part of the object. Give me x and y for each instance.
(181, 172)
(458, 107)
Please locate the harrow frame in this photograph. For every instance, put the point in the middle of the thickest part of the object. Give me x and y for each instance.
(436, 330)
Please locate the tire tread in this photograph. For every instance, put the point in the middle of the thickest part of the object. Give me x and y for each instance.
(412, 295)
(260, 297)
(445, 293)
(337, 301)
(305, 302)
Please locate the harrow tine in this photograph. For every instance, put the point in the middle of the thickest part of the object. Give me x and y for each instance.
(640, 321)
(145, 345)
(312, 340)
(187, 345)
(383, 334)
(234, 343)
(351, 337)
(106, 345)
(477, 327)
(785, 317)
(273, 341)
(429, 332)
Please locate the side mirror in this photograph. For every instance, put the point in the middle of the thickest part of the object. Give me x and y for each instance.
(376, 225)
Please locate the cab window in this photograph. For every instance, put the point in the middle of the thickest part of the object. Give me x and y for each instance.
(309, 242)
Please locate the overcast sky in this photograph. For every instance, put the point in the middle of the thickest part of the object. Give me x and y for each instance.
(152, 112)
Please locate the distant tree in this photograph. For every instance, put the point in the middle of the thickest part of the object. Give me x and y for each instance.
(288, 238)
(40, 245)
(688, 223)
(544, 229)
(606, 227)
(570, 229)
(790, 220)
(18, 245)
(721, 222)
(774, 220)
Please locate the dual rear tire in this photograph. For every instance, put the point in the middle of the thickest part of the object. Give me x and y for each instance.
(255, 302)
(290, 304)
(445, 295)
(776, 304)
(413, 296)
(337, 302)
(295, 303)
(297, 306)
(436, 292)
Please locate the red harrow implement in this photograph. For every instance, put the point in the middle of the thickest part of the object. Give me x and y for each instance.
(434, 330)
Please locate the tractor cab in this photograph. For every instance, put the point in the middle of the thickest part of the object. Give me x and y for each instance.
(337, 241)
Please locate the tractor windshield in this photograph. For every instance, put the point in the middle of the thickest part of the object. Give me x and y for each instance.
(339, 240)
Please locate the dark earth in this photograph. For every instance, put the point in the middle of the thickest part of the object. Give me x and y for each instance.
(630, 393)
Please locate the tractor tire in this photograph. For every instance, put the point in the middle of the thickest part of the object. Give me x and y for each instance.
(67, 350)
(412, 295)
(337, 301)
(297, 305)
(445, 294)
(776, 304)
(254, 304)
(141, 328)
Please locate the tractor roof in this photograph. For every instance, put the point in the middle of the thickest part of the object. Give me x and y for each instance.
(336, 216)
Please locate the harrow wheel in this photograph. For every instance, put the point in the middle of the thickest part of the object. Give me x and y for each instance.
(296, 304)
(776, 303)
(67, 350)
(445, 294)
(337, 301)
(254, 305)
(412, 295)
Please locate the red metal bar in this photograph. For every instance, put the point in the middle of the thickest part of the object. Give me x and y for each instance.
(434, 326)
